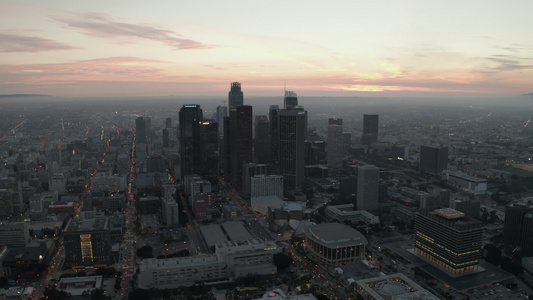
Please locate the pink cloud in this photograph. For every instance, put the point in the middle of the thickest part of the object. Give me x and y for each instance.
(19, 43)
(102, 26)
(111, 68)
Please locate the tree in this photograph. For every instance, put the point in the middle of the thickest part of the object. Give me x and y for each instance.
(485, 216)
(4, 282)
(138, 294)
(493, 254)
(145, 252)
(282, 260)
(182, 253)
(511, 267)
(493, 217)
(97, 294)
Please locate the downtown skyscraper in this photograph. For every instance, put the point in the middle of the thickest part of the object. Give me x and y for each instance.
(238, 142)
(334, 144)
(291, 127)
(188, 116)
(433, 159)
(370, 129)
(206, 147)
(235, 95)
(143, 127)
(290, 100)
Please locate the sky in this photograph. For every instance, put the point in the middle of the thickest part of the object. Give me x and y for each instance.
(106, 48)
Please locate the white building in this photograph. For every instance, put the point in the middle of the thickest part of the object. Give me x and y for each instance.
(231, 260)
(267, 185)
(248, 256)
(181, 271)
(475, 185)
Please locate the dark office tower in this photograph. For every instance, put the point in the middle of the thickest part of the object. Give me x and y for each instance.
(207, 164)
(262, 140)
(368, 187)
(334, 144)
(526, 246)
(224, 162)
(290, 100)
(143, 127)
(222, 112)
(273, 113)
(188, 116)
(166, 138)
(235, 97)
(346, 141)
(240, 141)
(168, 122)
(433, 159)
(514, 222)
(292, 126)
(315, 152)
(448, 239)
(370, 129)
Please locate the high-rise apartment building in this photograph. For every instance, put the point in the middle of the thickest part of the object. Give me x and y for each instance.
(168, 122)
(267, 185)
(433, 159)
(235, 96)
(250, 170)
(370, 129)
(335, 143)
(190, 114)
(143, 127)
(449, 240)
(290, 100)
(368, 187)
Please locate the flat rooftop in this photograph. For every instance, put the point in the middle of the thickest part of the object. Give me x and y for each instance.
(236, 231)
(87, 224)
(489, 276)
(213, 234)
(449, 213)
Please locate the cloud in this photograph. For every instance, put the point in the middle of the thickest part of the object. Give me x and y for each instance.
(507, 64)
(110, 68)
(102, 26)
(19, 43)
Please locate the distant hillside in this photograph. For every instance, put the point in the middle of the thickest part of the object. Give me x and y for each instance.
(22, 95)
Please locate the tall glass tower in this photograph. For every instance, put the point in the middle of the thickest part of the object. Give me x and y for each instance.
(189, 115)
(290, 100)
(235, 96)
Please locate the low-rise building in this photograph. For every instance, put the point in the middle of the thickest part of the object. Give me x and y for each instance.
(346, 212)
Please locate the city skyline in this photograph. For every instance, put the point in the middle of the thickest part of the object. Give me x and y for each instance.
(356, 48)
